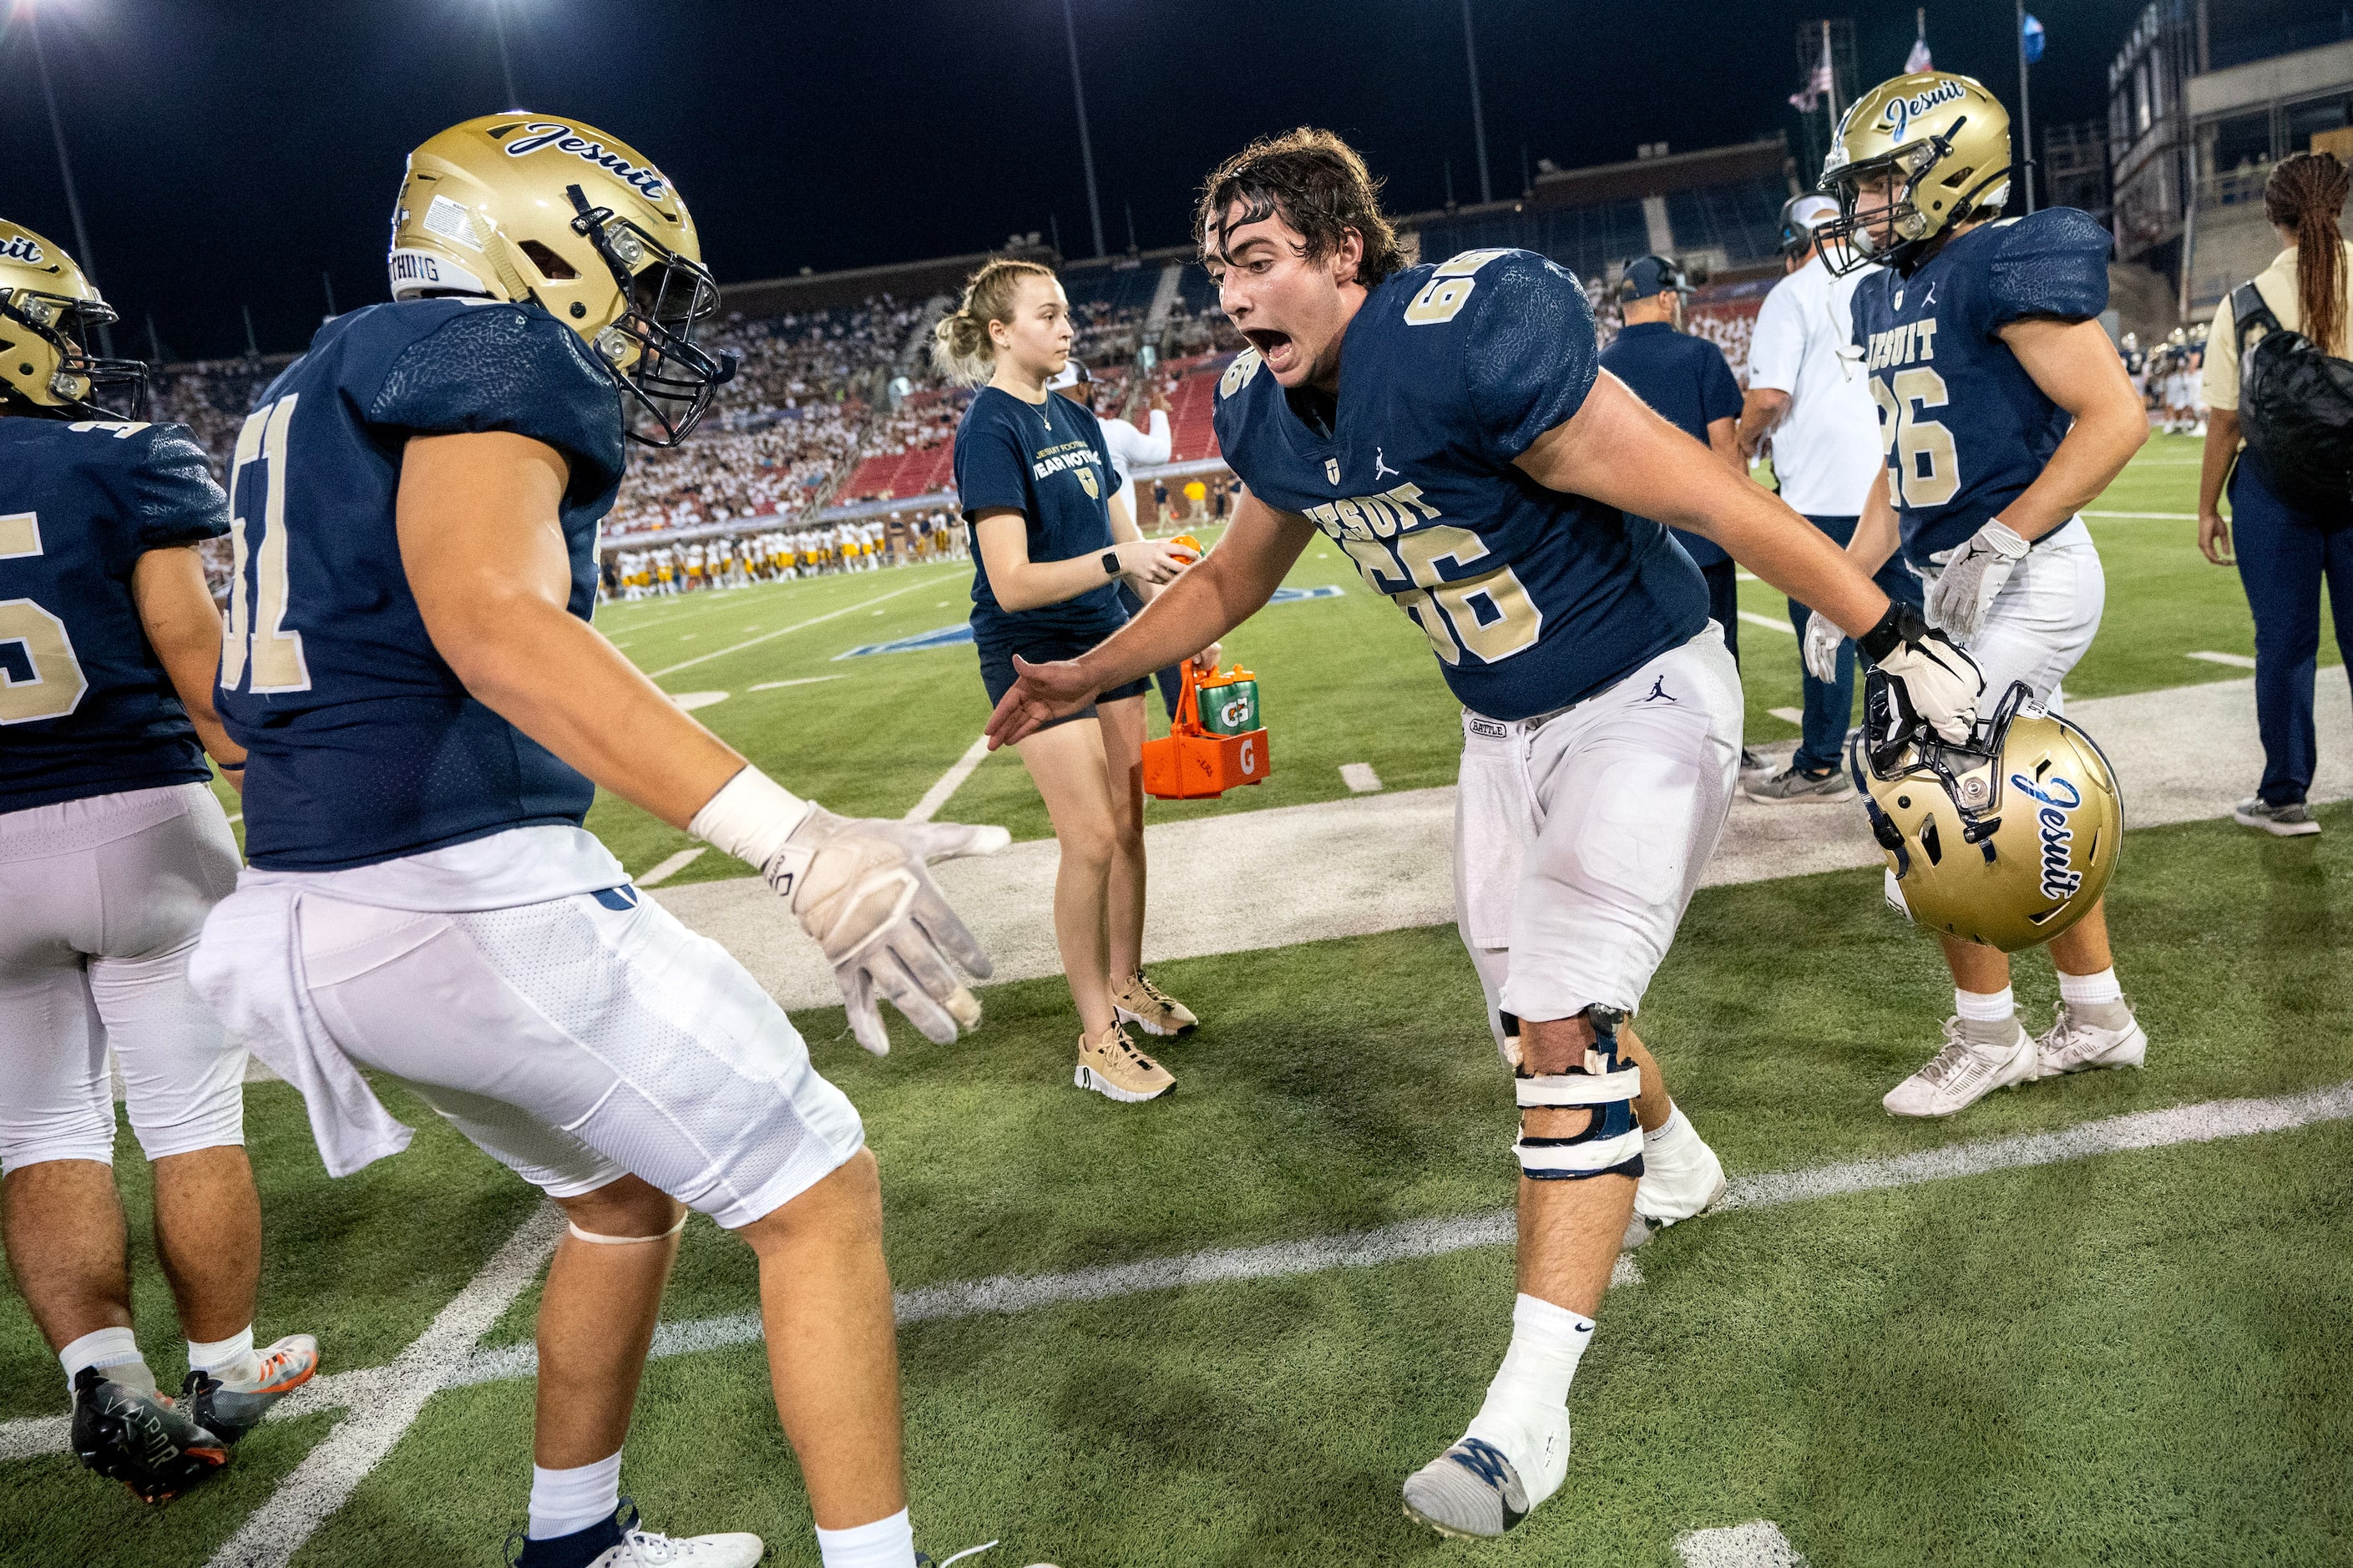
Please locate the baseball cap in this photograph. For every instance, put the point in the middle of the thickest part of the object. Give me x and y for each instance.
(1649, 275)
(1072, 374)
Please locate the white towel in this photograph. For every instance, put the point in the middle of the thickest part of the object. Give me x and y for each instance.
(248, 966)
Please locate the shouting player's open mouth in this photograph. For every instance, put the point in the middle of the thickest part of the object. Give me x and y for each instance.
(1277, 349)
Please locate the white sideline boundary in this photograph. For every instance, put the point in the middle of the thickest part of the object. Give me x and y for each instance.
(782, 631)
(950, 781)
(444, 1356)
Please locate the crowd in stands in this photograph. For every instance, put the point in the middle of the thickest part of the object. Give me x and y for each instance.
(777, 555)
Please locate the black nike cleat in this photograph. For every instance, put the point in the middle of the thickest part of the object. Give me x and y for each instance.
(142, 1439)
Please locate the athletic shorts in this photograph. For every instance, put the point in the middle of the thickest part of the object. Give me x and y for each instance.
(102, 901)
(1041, 648)
(1581, 836)
(580, 1038)
(2042, 623)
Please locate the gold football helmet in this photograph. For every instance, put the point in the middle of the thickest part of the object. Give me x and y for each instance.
(523, 206)
(48, 309)
(1926, 151)
(2006, 841)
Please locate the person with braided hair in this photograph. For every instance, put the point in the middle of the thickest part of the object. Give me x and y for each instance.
(2283, 549)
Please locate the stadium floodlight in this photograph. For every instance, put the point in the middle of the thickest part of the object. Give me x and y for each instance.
(31, 12)
(513, 99)
(1478, 114)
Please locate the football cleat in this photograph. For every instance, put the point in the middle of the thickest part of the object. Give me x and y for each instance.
(231, 1409)
(1474, 1491)
(1793, 787)
(1962, 1073)
(1149, 1008)
(2077, 1043)
(634, 1546)
(1681, 1178)
(1112, 1065)
(141, 1438)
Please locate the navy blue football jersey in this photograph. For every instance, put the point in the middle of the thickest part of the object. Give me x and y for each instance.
(86, 705)
(361, 743)
(1048, 462)
(1965, 427)
(1530, 598)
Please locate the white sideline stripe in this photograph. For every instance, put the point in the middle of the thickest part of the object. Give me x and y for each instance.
(235, 817)
(1768, 622)
(1746, 576)
(1788, 715)
(671, 866)
(1759, 1543)
(2158, 516)
(780, 631)
(690, 701)
(2205, 1121)
(802, 680)
(951, 781)
(2235, 660)
(1360, 778)
(329, 1473)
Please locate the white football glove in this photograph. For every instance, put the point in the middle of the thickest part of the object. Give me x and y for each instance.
(1936, 683)
(1957, 599)
(862, 887)
(1823, 640)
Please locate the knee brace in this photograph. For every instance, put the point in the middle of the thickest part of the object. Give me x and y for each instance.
(624, 1240)
(1611, 1143)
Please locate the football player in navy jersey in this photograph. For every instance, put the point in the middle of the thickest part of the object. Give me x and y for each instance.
(2003, 409)
(409, 663)
(1449, 427)
(112, 850)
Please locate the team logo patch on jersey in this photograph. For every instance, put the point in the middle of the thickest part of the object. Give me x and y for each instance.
(1332, 470)
(1087, 483)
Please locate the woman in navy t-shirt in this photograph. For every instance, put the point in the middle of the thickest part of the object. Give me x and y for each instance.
(1035, 483)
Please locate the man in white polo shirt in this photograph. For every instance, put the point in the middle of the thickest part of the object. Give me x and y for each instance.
(1808, 395)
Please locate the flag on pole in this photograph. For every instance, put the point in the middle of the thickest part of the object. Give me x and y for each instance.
(2029, 40)
(1918, 59)
(1818, 85)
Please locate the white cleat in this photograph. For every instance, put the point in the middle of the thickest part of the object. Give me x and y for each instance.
(1475, 1491)
(2076, 1043)
(1681, 1177)
(1962, 1073)
(643, 1548)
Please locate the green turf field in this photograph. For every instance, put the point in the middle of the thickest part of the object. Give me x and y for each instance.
(2135, 1357)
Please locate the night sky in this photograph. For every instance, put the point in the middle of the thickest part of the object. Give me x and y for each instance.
(229, 152)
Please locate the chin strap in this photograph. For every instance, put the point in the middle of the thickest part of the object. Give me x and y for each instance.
(1611, 1143)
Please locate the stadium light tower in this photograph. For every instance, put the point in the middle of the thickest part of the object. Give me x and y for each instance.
(1086, 142)
(1478, 115)
(65, 166)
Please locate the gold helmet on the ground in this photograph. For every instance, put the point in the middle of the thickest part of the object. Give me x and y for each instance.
(1913, 156)
(49, 312)
(2006, 841)
(528, 206)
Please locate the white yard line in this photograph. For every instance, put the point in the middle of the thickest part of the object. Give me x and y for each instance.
(801, 681)
(1360, 778)
(950, 781)
(2230, 660)
(663, 870)
(781, 631)
(331, 1471)
(1770, 622)
(2157, 516)
(1788, 715)
(1759, 1543)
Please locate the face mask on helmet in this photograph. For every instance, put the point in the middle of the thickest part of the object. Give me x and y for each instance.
(2005, 841)
(44, 362)
(649, 347)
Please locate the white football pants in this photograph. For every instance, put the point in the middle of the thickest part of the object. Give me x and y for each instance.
(102, 901)
(580, 1038)
(2042, 623)
(1579, 837)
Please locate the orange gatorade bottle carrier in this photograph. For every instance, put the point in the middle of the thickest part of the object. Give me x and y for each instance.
(1198, 761)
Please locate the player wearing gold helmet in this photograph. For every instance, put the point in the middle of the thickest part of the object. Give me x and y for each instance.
(2003, 409)
(427, 712)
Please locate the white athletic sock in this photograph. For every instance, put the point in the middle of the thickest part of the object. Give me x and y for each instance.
(1672, 1127)
(564, 1501)
(2090, 990)
(114, 1351)
(1984, 1006)
(232, 1359)
(1547, 1344)
(885, 1544)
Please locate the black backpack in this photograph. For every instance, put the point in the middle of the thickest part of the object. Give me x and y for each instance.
(2295, 408)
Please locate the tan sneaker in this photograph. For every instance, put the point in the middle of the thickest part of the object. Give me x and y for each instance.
(1111, 1065)
(1151, 1009)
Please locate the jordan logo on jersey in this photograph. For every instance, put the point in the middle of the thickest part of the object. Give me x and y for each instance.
(1381, 468)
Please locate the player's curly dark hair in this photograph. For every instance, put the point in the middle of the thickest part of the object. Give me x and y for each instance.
(1319, 186)
(2306, 193)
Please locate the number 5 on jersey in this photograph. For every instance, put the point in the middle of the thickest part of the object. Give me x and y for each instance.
(35, 641)
(257, 640)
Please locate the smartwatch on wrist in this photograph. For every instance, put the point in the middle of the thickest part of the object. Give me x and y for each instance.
(1111, 562)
